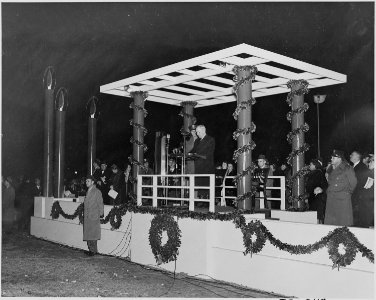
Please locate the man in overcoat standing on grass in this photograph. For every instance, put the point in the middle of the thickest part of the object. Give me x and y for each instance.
(93, 211)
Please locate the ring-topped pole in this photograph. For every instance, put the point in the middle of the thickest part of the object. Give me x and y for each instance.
(91, 108)
(295, 99)
(139, 131)
(61, 104)
(49, 82)
(243, 135)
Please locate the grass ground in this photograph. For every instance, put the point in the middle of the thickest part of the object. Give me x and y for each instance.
(36, 268)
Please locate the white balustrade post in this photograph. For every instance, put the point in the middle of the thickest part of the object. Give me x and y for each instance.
(212, 193)
(155, 191)
(139, 190)
(191, 193)
(283, 193)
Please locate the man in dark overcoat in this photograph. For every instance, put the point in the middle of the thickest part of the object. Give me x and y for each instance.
(341, 184)
(361, 173)
(204, 153)
(93, 211)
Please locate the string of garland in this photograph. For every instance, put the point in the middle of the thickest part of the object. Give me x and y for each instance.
(240, 82)
(133, 141)
(248, 147)
(303, 90)
(302, 172)
(243, 105)
(295, 132)
(250, 169)
(135, 106)
(186, 115)
(299, 110)
(339, 236)
(170, 250)
(138, 126)
(56, 211)
(296, 152)
(246, 130)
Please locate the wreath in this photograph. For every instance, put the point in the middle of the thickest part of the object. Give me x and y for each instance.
(253, 228)
(339, 259)
(169, 251)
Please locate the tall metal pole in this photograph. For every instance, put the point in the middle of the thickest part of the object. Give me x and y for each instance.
(318, 99)
(61, 104)
(243, 155)
(49, 82)
(92, 129)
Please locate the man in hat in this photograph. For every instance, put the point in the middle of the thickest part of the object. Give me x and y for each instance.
(341, 184)
(361, 173)
(93, 211)
(260, 176)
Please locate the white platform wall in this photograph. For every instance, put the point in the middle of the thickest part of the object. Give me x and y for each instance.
(215, 249)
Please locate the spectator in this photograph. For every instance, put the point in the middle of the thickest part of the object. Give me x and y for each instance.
(8, 204)
(93, 211)
(341, 183)
(103, 183)
(37, 188)
(361, 173)
(366, 206)
(97, 170)
(260, 177)
(117, 184)
(316, 185)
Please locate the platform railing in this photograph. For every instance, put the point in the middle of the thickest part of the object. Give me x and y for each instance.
(179, 189)
(281, 187)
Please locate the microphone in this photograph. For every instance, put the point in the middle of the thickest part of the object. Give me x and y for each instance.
(168, 138)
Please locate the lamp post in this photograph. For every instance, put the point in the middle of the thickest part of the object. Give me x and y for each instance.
(318, 99)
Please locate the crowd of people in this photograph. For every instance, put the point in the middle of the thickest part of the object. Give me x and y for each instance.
(18, 201)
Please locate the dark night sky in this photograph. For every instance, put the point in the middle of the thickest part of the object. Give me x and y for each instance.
(91, 44)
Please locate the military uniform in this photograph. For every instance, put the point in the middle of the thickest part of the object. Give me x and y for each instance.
(342, 182)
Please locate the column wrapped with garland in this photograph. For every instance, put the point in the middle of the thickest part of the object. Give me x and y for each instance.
(295, 100)
(139, 131)
(243, 135)
(188, 117)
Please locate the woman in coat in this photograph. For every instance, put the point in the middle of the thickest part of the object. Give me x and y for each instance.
(316, 179)
(93, 211)
(342, 182)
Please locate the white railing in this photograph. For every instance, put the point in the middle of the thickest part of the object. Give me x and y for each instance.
(184, 189)
(281, 186)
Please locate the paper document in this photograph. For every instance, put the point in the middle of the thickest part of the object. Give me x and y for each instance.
(112, 194)
(369, 183)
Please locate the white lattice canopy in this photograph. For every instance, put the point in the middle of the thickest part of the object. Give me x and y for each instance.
(208, 79)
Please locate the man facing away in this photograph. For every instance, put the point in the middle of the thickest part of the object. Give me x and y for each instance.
(361, 173)
(93, 211)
